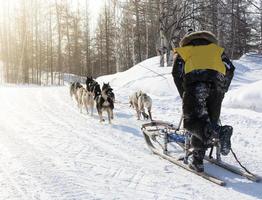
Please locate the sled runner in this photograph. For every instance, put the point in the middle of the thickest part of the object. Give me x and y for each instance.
(173, 144)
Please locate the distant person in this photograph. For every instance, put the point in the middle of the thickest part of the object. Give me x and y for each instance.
(162, 52)
(202, 74)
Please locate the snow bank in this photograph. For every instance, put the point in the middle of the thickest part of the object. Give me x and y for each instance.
(248, 96)
(147, 76)
(253, 60)
(248, 70)
(247, 83)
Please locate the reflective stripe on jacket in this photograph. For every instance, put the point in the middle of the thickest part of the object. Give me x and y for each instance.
(202, 57)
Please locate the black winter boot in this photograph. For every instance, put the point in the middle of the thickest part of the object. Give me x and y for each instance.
(197, 162)
(224, 137)
(211, 135)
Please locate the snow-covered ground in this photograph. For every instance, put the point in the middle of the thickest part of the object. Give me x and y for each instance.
(49, 151)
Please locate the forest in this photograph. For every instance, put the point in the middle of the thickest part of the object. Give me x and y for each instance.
(41, 41)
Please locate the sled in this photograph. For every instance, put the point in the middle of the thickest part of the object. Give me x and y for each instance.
(173, 144)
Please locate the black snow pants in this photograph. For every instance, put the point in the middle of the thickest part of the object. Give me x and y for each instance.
(201, 109)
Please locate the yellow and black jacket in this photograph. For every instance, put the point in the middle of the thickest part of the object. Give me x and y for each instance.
(199, 58)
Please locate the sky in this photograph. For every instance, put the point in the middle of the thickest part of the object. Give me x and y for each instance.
(95, 6)
(94, 9)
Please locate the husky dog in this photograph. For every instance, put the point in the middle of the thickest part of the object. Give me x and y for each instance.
(89, 81)
(78, 96)
(104, 102)
(133, 100)
(95, 89)
(86, 100)
(110, 92)
(73, 88)
(145, 101)
(139, 101)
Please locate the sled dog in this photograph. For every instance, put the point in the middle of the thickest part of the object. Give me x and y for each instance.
(104, 102)
(145, 101)
(95, 89)
(139, 101)
(110, 92)
(73, 88)
(85, 100)
(89, 82)
(78, 96)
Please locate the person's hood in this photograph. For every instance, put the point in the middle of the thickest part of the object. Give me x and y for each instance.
(198, 35)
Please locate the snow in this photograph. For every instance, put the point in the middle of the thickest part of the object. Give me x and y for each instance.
(147, 75)
(246, 91)
(48, 150)
(248, 96)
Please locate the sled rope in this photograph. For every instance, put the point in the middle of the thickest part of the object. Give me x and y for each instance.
(152, 71)
(157, 74)
(243, 167)
(120, 102)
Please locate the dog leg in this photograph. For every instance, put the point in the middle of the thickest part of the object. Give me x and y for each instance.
(81, 106)
(150, 115)
(142, 111)
(109, 115)
(145, 116)
(78, 104)
(92, 106)
(112, 114)
(92, 110)
(138, 114)
(86, 108)
(100, 116)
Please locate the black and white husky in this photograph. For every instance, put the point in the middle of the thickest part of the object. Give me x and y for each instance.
(109, 90)
(139, 101)
(105, 102)
(89, 81)
(94, 88)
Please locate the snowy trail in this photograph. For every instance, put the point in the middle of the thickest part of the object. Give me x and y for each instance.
(48, 150)
(65, 152)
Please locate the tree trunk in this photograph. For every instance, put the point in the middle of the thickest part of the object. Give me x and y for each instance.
(260, 26)
(69, 62)
(232, 30)
(107, 41)
(51, 47)
(59, 63)
(138, 34)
